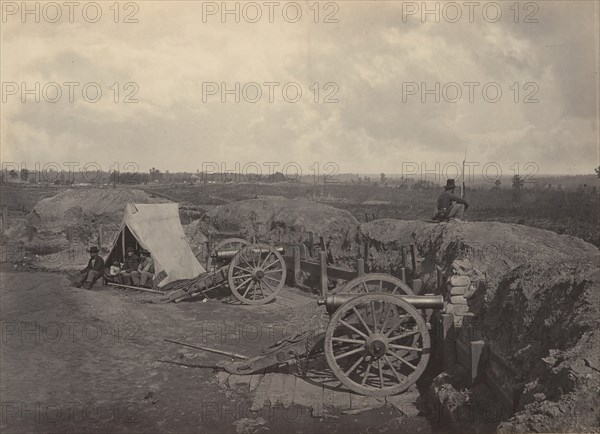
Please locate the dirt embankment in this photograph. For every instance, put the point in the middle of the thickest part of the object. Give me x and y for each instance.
(290, 221)
(537, 302)
(56, 233)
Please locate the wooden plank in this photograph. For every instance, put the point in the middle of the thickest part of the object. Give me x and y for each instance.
(261, 395)
(342, 399)
(255, 381)
(328, 398)
(276, 390)
(307, 394)
(289, 385)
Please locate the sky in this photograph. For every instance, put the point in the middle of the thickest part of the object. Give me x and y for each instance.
(347, 86)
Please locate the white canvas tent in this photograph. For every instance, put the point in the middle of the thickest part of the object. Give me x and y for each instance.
(157, 229)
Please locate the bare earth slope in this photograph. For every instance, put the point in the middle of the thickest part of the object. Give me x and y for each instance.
(538, 302)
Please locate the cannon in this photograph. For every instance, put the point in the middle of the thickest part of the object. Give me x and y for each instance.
(255, 273)
(377, 342)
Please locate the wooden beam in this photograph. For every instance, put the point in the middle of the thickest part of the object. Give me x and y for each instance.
(413, 257)
(360, 266)
(323, 273)
(135, 287)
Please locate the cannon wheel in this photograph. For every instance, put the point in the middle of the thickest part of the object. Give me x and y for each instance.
(256, 274)
(370, 345)
(376, 282)
(226, 244)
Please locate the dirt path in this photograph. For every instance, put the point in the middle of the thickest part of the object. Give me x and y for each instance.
(75, 360)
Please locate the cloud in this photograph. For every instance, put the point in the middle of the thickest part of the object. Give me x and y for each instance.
(367, 58)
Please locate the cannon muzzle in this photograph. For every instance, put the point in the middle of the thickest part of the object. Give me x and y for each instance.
(332, 302)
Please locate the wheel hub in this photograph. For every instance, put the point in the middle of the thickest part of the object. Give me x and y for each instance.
(376, 345)
(258, 273)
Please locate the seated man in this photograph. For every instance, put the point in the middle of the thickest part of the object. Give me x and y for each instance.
(93, 271)
(113, 274)
(130, 264)
(449, 205)
(144, 271)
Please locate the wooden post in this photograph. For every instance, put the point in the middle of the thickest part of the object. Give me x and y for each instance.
(366, 248)
(367, 217)
(4, 219)
(440, 278)
(448, 341)
(296, 267)
(413, 257)
(417, 284)
(373, 215)
(323, 265)
(403, 274)
(475, 350)
(403, 250)
(360, 266)
(311, 243)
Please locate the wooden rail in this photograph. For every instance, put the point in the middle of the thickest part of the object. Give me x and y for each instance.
(296, 265)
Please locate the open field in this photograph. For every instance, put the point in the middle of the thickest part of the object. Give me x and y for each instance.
(572, 212)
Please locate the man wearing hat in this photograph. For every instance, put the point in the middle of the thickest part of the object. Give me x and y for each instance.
(145, 270)
(449, 205)
(93, 271)
(130, 264)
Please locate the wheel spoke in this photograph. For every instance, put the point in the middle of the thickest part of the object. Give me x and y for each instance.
(367, 372)
(402, 347)
(269, 277)
(400, 321)
(248, 289)
(366, 287)
(240, 276)
(349, 353)
(358, 362)
(243, 283)
(268, 286)
(241, 268)
(386, 316)
(372, 304)
(362, 320)
(381, 286)
(269, 253)
(250, 267)
(402, 360)
(354, 329)
(394, 369)
(276, 261)
(403, 335)
(350, 341)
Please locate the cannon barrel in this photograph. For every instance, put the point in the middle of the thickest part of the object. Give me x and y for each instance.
(228, 254)
(332, 302)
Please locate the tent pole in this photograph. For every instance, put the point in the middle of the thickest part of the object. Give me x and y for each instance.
(123, 244)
